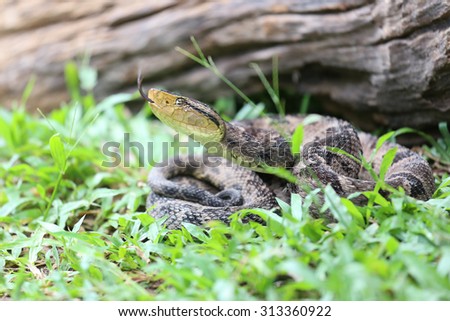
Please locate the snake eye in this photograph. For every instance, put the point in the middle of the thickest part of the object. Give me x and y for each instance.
(180, 101)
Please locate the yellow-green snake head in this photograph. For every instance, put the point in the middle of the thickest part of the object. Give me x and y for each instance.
(186, 115)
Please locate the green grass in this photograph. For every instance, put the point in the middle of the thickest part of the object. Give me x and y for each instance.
(71, 228)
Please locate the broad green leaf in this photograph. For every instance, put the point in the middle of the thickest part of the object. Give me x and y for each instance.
(88, 77)
(96, 273)
(383, 139)
(444, 183)
(392, 245)
(72, 80)
(77, 225)
(71, 206)
(196, 231)
(353, 210)
(107, 104)
(301, 273)
(297, 139)
(443, 266)
(34, 250)
(53, 228)
(274, 221)
(386, 163)
(58, 152)
(296, 206)
(12, 205)
(391, 134)
(65, 210)
(5, 132)
(225, 289)
(376, 198)
(285, 207)
(103, 193)
(145, 219)
(336, 207)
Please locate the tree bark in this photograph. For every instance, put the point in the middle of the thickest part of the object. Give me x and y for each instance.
(375, 62)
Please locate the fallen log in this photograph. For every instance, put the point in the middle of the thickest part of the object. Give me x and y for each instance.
(375, 62)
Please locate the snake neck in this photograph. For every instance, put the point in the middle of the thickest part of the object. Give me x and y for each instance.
(256, 148)
(251, 147)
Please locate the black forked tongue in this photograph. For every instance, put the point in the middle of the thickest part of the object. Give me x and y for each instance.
(141, 91)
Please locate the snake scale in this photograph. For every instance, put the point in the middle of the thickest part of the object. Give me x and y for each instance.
(188, 190)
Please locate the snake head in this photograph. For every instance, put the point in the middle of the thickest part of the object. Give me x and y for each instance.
(185, 115)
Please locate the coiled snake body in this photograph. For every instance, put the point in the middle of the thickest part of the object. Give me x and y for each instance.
(187, 190)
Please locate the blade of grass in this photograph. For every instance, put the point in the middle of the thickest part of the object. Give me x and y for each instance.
(275, 76)
(297, 139)
(209, 64)
(59, 156)
(27, 91)
(72, 80)
(273, 95)
(305, 104)
(386, 163)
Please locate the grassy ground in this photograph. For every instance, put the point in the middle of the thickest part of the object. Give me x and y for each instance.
(73, 228)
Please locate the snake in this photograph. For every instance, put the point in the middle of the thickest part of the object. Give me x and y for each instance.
(252, 163)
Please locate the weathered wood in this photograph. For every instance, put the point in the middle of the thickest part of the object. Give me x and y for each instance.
(376, 62)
